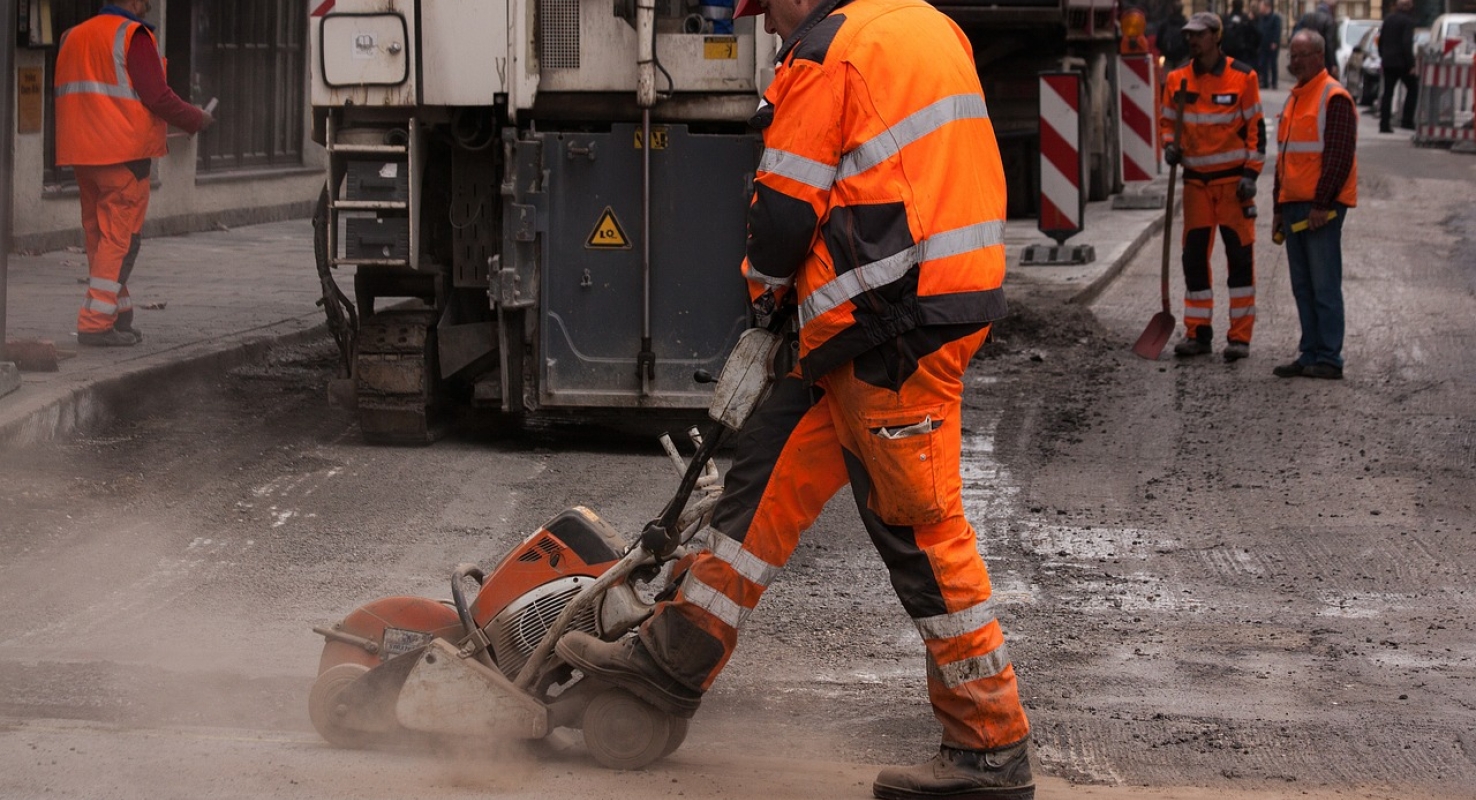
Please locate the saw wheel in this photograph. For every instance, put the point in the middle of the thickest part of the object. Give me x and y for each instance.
(625, 733)
(327, 711)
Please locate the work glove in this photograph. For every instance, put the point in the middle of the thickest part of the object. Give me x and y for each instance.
(1172, 155)
(1247, 188)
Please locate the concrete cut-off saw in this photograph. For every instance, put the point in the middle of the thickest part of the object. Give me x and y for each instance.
(486, 667)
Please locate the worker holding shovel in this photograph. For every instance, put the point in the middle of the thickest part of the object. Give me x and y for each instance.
(1222, 149)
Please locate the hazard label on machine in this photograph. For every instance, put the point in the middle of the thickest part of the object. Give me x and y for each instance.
(607, 233)
(660, 135)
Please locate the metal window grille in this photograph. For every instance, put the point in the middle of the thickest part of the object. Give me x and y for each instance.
(251, 57)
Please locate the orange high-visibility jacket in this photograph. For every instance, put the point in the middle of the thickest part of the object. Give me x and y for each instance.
(1224, 131)
(99, 117)
(1299, 138)
(880, 197)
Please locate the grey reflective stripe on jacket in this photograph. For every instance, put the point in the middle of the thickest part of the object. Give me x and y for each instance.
(122, 87)
(1315, 145)
(847, 285)
(878, 148)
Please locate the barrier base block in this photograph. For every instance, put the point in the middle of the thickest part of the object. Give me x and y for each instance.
(1137, 202)
(1044, 255)
(10, 379)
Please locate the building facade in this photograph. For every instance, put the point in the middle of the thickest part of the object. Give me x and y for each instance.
(256, 164)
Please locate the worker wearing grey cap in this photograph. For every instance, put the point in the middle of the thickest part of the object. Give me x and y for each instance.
(1222, 147)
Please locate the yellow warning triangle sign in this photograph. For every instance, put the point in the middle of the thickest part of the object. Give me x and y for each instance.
(607, 233)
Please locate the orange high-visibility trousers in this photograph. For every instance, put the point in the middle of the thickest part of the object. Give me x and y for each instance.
(114, 202)
(1206, 207)
(899, 448)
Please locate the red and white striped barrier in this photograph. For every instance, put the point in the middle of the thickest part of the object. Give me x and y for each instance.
(1062, 191)
(1447, 96)
(1136, 126)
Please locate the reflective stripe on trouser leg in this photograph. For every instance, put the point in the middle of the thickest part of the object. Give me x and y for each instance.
(905, 478)
(786, 466)
(114, 204)
(1199, 244)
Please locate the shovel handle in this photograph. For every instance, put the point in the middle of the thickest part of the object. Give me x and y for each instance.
(1168, 206)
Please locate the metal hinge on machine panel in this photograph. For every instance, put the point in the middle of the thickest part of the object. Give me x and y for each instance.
(515, 284)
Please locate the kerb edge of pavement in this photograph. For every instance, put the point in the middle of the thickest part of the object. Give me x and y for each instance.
(59, 411)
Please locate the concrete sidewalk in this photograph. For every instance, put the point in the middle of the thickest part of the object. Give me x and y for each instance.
(209, 301)
(204, 301)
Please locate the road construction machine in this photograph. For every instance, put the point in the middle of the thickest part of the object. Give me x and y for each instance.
(541, 202)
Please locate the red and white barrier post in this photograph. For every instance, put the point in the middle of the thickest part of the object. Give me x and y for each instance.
(1062, 171)
(1137, 131)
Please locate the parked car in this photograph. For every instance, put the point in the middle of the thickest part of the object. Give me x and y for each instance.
(1452, 37)
(1364, 75)
(1350, 31)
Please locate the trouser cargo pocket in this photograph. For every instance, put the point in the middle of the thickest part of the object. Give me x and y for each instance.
(903, 451)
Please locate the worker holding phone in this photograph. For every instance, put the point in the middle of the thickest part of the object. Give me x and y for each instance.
(110, 125)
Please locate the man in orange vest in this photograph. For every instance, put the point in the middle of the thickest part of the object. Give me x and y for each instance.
(878, 212)
(1222, 149)
(1316, 184)
(109, 126)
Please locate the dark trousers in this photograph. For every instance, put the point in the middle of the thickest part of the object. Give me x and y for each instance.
(1266, 68)
(1393, 78)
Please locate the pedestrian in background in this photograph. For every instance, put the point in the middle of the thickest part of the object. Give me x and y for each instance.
(1316, 183)
(1324, 21)
(1397, 59)
(1269, 64)
(1222, 149)
(879, 208)
(112, 106)
(1170, 37)
(1242, 40)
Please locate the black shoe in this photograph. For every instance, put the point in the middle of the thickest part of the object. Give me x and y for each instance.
(1292, 370)
(626, 664)
(1325, 371)
(108, 338)
(1188, 348)
(1002, 774)
(1385, 129)
(1234, 351)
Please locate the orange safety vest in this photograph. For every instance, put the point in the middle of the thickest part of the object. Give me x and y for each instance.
(99, 117)
(880, 197)
(1299, 137)
(1223, 123)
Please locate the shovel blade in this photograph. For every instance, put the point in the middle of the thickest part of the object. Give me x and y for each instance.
(1155, 336)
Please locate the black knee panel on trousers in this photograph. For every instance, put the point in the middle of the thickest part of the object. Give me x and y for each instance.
(1241, 258)
(1196, 258)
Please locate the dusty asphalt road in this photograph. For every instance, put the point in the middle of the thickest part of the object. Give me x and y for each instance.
(1214, 581)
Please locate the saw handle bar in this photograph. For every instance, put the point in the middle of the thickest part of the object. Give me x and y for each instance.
(476, 640)
(663, 535)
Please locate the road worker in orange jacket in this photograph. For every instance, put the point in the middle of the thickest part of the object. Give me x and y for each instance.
(1316, 185)
(112, 105)
(878, 212)
(1222, 150)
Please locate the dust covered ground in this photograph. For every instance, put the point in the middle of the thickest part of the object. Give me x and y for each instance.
(1212, 581)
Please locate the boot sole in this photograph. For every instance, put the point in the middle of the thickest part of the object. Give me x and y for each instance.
(662, 700)
(981, 793)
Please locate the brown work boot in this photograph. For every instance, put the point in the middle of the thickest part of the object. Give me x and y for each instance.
(626, 664)
(1002, 774)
